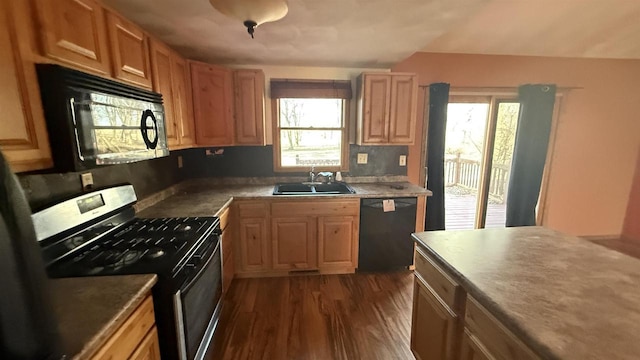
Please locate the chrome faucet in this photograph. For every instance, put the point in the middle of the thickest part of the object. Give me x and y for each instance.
(327, 176)
(312, 175)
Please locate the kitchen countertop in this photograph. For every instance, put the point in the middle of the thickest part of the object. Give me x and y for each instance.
(201, 199)
(563, 296)
(90, 309)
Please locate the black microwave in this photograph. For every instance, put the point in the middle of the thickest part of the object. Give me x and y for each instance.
(94, 121)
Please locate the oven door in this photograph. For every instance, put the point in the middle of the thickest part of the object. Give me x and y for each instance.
(197, 303)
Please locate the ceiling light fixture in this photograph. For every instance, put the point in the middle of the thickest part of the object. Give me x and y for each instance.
(252, 12)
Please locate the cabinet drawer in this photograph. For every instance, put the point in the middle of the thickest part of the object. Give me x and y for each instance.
(447, 289)
(126, 339)
(252, 209)
(494, 336)
(313, 206)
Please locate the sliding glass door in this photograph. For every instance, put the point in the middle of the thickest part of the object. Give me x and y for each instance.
(479, 143)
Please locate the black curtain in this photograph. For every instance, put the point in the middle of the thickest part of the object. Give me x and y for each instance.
(530, 153)
(438, 101)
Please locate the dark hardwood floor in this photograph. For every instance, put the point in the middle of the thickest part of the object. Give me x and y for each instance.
(357, 316)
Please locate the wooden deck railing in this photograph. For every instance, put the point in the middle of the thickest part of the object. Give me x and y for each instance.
(466, 173)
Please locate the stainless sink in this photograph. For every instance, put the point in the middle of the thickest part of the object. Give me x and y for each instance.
(312, 189)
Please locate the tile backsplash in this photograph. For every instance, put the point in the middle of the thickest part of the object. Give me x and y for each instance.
(257, 161)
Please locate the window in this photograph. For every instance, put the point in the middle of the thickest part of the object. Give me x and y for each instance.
(310, 124)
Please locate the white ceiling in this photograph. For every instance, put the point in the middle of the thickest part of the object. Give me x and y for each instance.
(380, 33)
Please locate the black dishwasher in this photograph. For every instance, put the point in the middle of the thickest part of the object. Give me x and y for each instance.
(385, 236)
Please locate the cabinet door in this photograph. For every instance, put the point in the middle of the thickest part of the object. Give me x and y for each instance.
(402, 118)
(433, 327)
(23, 134)
(228, 239)
(253, 244)
(337, 241)
(129, 51)
(161, 74)
(376, 102)
(212, 104)
(249, 107)
(472, 348)
(182, 101)
(74, 31)
(294, 243)
(149, 348)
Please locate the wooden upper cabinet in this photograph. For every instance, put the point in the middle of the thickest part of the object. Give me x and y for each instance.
(161, 74)
(387, 108)
(294, 243)
(249, 107)
(338, 241)
(212, 104)
(23, 134)
(182, 100)
(74, 32)
(402, 114)
(129, 50)
(375, 108)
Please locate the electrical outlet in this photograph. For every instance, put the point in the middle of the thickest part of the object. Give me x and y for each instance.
(180, 162)
(87, 180)
(403, 160)
(363, 158)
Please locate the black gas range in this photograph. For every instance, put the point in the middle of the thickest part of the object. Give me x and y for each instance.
(98, 234)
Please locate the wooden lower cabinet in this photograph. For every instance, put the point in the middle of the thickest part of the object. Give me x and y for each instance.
(434, 334)
(277, 236)
(294, 245)
(227, 225)
(472, 349)
(137, 337)
(338, 242)
(252, 245)
(437, 329)
(149, 349)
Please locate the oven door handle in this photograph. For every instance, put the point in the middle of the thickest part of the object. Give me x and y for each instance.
(179, 318)
(185, 288)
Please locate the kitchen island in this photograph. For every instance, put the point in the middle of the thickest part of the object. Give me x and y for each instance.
(526, 293)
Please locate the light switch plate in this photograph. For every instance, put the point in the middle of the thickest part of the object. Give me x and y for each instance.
(403, 160)
(363, 158)
(87, 180)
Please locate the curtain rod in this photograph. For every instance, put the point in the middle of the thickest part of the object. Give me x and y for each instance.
(502, 88)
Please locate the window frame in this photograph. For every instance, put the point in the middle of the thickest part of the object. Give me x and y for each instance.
(344, 153)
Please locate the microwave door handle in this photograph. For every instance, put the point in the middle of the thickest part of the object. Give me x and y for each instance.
(72, 103)
(151, 144)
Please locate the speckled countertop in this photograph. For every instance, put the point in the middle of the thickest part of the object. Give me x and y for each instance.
(90, 309)
(563, 296)
(201, 199)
